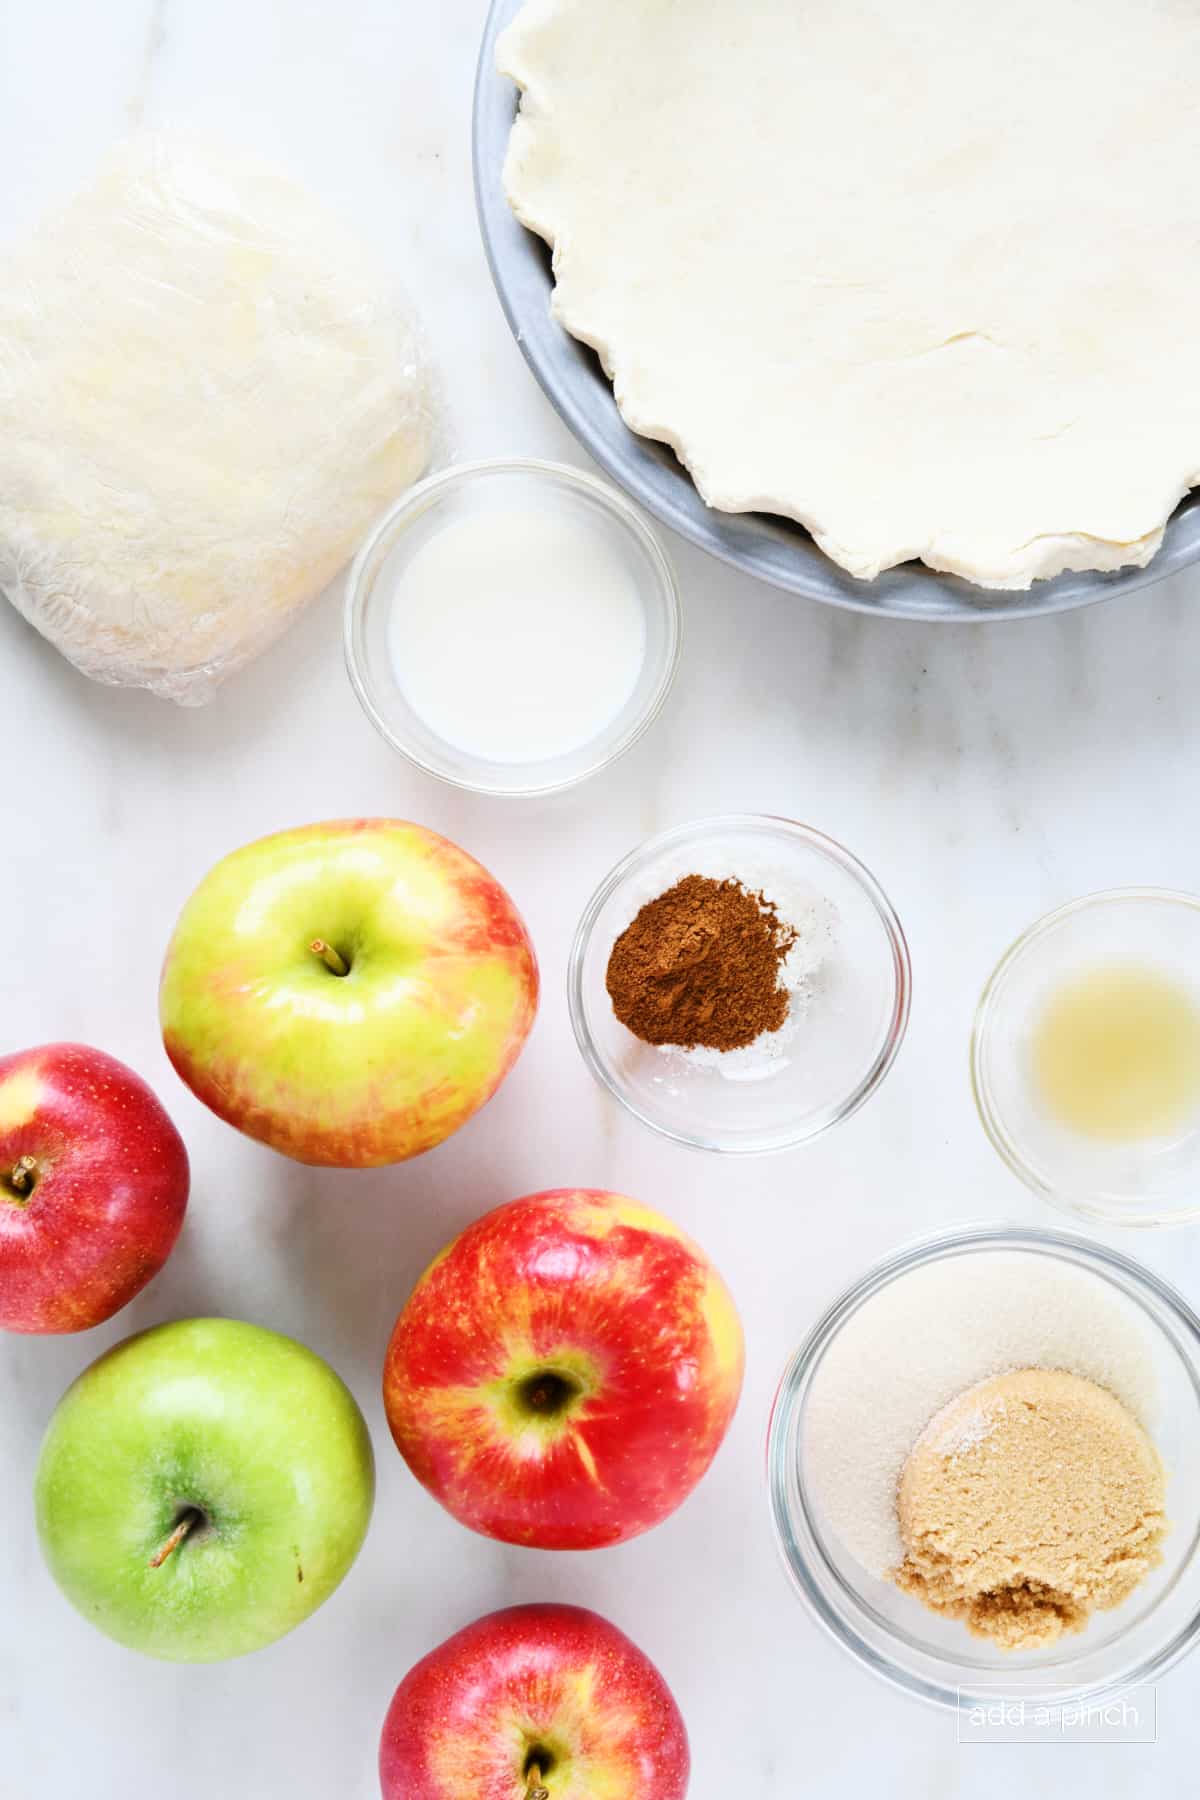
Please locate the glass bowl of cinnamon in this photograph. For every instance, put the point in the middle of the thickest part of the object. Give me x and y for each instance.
(740, 984)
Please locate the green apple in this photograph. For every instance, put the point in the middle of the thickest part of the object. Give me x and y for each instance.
(349, 993)
(202, 1488)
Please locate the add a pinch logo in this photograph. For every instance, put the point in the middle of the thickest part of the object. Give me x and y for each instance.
(1033, 1713)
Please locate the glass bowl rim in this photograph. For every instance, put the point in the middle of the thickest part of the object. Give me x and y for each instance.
(824, 846)
(1076, 1206)
(1071, 1246)
(662, 592)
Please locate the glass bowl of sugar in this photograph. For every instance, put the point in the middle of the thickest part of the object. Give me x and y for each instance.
(740, 983)
(904, 1360)
(512, 627)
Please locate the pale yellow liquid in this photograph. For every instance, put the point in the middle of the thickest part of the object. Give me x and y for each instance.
(1116, 1053)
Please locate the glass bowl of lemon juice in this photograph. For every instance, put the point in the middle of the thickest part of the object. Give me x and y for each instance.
(1085, 1057)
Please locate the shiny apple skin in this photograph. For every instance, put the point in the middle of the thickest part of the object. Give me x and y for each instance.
(465, 1722)
(612, 1299)
(247, 1428)
(362, 1069)
(108, 1197)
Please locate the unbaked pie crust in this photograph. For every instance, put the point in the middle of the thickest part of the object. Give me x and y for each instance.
(922, 276)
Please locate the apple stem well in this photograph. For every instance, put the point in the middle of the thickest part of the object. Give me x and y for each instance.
(188, 1520)
(21, 1179)
(548, 1393)
(337, 965)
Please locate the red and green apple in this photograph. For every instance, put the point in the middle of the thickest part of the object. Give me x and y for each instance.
(534, 1703)
(93, 1187)
(349, 993)
(202, 1488)
(564, 1372)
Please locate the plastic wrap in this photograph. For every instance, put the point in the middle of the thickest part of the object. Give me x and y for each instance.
(206, 395)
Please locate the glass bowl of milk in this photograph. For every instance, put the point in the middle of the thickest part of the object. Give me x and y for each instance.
(512, 627)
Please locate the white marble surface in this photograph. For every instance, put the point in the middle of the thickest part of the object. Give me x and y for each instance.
(985, 774)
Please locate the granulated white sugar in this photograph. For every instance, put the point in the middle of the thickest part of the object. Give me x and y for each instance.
(927, 1337)
(811, 915)
(962, 1431)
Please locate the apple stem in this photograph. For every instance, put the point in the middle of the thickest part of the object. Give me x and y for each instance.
(535, 1790)
(190, 1519)
(329, 956)
(21, 1176)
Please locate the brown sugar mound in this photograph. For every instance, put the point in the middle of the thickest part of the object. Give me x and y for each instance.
(700, 966)
(1029, 1502)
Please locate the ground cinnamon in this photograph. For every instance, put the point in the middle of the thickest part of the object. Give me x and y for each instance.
(699, 966)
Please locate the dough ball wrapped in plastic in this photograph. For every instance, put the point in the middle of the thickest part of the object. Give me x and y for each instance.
(206, 395)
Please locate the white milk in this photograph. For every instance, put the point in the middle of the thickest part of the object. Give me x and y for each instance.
(517, 635)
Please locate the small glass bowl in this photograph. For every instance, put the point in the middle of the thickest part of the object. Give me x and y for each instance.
(1152, 1181)
(892, 1633)
(473, 488)
(839, 1049)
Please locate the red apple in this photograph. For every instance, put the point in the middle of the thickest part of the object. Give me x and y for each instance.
(93, 1187)
(564, 1372)
(535, 1703)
